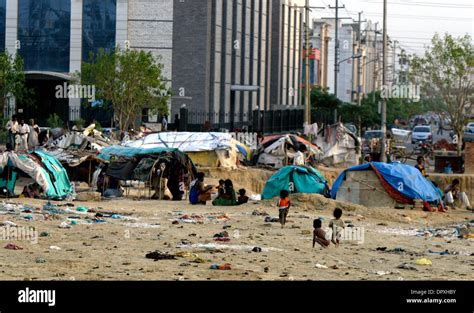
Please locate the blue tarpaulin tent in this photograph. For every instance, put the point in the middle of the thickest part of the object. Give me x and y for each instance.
(295, 179)
(398, 179)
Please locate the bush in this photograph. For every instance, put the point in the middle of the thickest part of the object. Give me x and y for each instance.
(80, 123)
(54, 121)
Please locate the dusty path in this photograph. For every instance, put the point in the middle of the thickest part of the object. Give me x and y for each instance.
(116, 249)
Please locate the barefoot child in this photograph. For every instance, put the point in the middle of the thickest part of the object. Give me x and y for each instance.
(337, 225)
(283, 206)
(319, 235)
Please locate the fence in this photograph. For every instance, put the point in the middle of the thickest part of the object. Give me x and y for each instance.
(275, 121)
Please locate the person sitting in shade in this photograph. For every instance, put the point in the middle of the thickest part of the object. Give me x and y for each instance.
(199, 193)
(228, 198)
(420, 165)
(453, 192)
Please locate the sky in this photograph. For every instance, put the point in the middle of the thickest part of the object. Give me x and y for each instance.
(411, 22)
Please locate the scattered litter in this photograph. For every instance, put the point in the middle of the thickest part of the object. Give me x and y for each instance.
(320, 266)
(270, 219)
(259, 213)
(224, 267)
(222, 239)
(82, 209)
(44, 234)
(216, 246)
(257, 249)
(12, 246)
(8, 223)
(141, 225)
(198, 260)
(54, 248)
(381, 248)
(255, 197)
(116, 216)
(380, 273)
(305, 232)
(40, 260)
(158, 255)
(439, 252)
(407, 266)
(334, 267)
(64, 225)
(424, 261)
(223, 234)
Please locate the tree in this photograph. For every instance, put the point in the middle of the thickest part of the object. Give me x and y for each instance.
(12, 80)
(445, 73)
(323, 105)
(130, 80)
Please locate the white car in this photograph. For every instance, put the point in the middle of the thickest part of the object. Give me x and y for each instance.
(423, 134)
(470, 127)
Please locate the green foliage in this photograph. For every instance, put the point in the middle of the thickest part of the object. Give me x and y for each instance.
(54, 121)
(12, 80)
(131, 81)
(3, 131)
(80, 123)
(445, 75)
(98, 126)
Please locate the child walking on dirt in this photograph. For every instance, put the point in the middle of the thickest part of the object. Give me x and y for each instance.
(284, 206)
(337, 225)
(319, 235)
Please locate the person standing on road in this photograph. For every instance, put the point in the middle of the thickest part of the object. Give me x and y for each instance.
(440, 126)
(23, 130)
(33, 141)
(164, 123)
(12, 128)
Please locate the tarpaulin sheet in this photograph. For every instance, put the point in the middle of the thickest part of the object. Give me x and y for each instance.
(185, 141)
(295, 179)
(405, 179)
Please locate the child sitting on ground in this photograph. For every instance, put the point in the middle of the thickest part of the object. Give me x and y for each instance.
(337, 225)
(284, 206)
(242, 197)
(319, 235)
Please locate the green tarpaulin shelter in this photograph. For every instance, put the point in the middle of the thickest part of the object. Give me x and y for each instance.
(295, 179)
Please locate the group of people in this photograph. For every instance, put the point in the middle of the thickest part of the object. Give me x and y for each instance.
(451, 193)
(22, 136)
(200, 193)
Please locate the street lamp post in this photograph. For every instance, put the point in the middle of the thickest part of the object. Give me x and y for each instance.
(384, 81)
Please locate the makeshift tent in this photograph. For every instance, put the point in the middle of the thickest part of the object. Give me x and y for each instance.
(279, 150)
(150, 165)
(394, 183)
(340, 147)
(295, 179)
(205, 149)
(43, 168)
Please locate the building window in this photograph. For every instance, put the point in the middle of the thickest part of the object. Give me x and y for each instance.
(44, 32)
(98, 26)
(3, 4)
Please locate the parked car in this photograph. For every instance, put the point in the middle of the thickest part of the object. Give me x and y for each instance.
(423, 134)
(470, 127)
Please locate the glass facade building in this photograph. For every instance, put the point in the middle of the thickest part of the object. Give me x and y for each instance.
(98, 26)
(44, 32)
(3, 18)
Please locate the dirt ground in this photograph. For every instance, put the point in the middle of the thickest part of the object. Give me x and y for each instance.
(116, 249)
